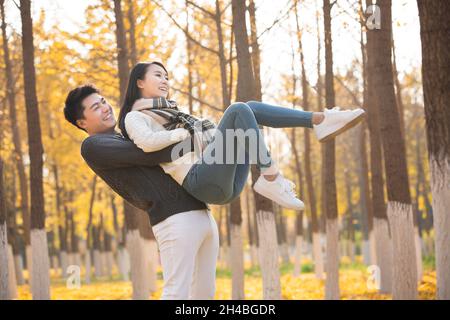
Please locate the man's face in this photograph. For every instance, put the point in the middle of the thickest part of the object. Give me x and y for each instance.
(98, 115)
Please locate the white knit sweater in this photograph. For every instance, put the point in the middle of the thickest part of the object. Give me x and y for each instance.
(148, 133)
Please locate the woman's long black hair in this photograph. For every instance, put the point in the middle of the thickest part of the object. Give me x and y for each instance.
(133, 91)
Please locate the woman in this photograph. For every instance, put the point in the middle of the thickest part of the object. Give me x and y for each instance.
(152, 122)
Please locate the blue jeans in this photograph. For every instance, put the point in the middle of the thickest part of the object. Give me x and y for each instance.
(220, 183)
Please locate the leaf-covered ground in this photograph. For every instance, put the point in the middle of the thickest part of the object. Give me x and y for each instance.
(353, 281)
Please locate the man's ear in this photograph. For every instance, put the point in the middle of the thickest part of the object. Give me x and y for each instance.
(81, 123)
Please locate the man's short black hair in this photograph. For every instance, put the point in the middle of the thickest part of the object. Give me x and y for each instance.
(73, 109)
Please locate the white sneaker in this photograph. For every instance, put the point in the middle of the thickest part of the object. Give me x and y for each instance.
(279, 190)
(336, 122)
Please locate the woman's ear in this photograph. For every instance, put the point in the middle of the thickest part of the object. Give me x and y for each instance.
(140, 84)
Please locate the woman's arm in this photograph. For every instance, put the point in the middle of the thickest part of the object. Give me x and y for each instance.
(143, 132)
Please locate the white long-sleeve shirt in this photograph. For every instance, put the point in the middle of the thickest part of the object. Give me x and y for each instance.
(149, 134)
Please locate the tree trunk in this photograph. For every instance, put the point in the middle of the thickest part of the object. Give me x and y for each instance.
(132, 33)
(87, 255)
(122, 52)
(255, 57)
(189, 61)
(135, 250)
(137, 261)
(98, 272)
(4, 270)
(312, 205)
(40, 279)
(149, 252)
(237, 254)
(250, 231)
(398, 91)
(17, 140)
(363, 166)
(434, 32)
(246, 90)
(18, 263)
(74, 240)
(226, 98)
(399, 199)
(381, 226)
(62, 225)
(121, 255)
(299, 217)
(330, 199)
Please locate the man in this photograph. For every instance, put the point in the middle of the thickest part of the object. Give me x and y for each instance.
(184, 229)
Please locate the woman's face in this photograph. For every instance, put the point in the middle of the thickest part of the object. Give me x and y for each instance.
(155, 83)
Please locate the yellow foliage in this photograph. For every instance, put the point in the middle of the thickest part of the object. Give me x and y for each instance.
(305, 287)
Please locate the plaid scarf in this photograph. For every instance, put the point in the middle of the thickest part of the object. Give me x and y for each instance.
(200, 129)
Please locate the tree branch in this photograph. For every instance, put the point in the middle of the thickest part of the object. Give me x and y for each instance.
(205, 11)
(203, 102)
(354, 97)
(184, 29)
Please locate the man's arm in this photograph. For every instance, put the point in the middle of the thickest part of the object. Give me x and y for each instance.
(107, 151)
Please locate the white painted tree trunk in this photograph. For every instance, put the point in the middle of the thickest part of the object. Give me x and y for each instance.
(97, 264)
(69, 259)
(88, 266)
(64, 263)
(332, 261)
(124, 263)
(404, 251)
(285, 253)
(254, 255)
(431, 245)
(298, 255)
(372, 248)
(268, 255)
(11, 275)
(318, 256)
(4, 272)
(351, 250)
(154, 258)
(309, 250)
(366, 252)
(343, 248)
(150, 252)
(137, 264)
(104, 261)
(120, 263)
(237, 263)
(440, 188)
(222, 256)
(77, 259)
(18, 264)
(384, 253)
(53, 264)
(109, 263)
(418, 243)
(29, 258)
(40, 278)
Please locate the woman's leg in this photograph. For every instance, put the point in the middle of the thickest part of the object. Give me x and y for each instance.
(223, 171)
(279, 117)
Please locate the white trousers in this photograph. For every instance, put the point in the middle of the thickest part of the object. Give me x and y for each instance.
(189, 246)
